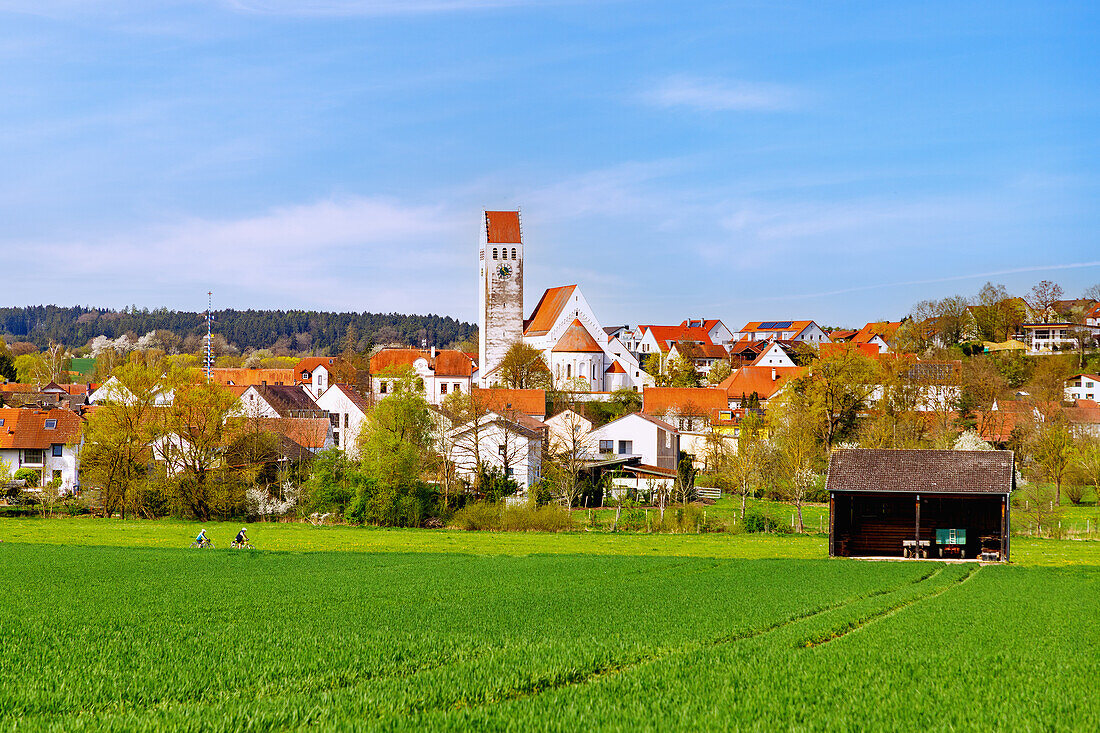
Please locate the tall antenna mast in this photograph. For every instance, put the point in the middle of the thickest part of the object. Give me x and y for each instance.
(208, 357)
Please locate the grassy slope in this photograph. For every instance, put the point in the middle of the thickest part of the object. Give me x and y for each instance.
(168, 533)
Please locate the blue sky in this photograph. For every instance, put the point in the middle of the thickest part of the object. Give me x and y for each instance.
(769, 160)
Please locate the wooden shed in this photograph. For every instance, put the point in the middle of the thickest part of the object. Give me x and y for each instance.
(920, 503)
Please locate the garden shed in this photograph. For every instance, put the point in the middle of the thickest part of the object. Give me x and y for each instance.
(920, 503)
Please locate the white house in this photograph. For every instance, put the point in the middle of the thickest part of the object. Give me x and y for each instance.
(568, 429)
(775, 355)
(347, 411)
(654, 441)
(45, 441)
(113, 390)
(442, 371)
(512, 445)
(277, 400)
(1047, 337)
(716, 330)
(315, 374)
(1083, 387)
(807, 331)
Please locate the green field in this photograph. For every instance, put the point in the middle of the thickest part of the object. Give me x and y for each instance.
(138, 638)
(299, 537)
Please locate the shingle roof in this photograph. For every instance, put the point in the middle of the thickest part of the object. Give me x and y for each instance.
(502, 227)
(26, 428)
(308, 432)
(921, 471)
(547, 310)
(701, 351)
(287, 400)
(796, 327)
(576, 340)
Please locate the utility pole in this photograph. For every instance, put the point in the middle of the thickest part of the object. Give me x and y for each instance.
(208, 356)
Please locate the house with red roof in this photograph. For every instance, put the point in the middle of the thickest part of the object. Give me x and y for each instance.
(806, 331)
(1083, 387)
(45, 441)
(442, 371)
(719, 333)
(760, 382)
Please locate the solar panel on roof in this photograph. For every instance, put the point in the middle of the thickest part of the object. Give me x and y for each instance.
(770, 325)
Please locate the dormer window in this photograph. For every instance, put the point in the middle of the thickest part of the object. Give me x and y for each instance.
(50, 424)
(305, 375)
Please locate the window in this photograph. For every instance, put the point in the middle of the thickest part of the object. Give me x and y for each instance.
(502, 449)
(494, 253)
(509, 472)
(32, 455)
(458, 387)
(347, 419)
(607, 446)
(626, 447)
(568, 371)
(51, 424)
(56, 476)
(336, 439)
(381, 388)
(57, 448)
(1, 422)
(443, 388)
(513, 253)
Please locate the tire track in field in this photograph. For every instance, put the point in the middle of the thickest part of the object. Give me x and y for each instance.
(871, 618)
(577, 678)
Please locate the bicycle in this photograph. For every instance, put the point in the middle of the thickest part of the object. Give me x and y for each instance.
(205, 544)
(241, 545)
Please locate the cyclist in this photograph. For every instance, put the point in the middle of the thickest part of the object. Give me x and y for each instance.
(242, 538)
(201, 539)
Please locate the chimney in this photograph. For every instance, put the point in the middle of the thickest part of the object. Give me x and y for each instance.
(433, 352)
(773, 374)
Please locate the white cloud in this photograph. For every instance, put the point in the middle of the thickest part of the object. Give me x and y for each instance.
(357, 253)
(716, 95)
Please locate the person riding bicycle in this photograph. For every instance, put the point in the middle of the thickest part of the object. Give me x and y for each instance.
(201, 539)
(242, 538)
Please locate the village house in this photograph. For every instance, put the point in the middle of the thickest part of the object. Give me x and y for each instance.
(45, 441)
(717, 331)
(638, 435)
(271, 400)
(315, 374)
(1083, 387)
(347, 411)
(754, 386)
(514, 445)
(242, 377)
(807, 331)
(441, 371)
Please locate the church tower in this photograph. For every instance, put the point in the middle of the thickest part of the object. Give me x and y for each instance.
(500, 291)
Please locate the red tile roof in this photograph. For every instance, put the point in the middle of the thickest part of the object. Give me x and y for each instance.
(447, 362)
(615, 368)
(312, 362)
(24, 428)
(683, 400)
(547, 310)
(885, 329)
(842, 334)
(668, 335)
(308, 432)
(502, 227)
(702, 351)
(758, 379)
(842, 347)
(577, 340)
(795, 328)
(527, 401)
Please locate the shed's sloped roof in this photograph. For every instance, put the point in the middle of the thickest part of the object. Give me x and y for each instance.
(921, 471)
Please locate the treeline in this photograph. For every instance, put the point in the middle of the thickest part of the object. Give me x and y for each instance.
(295, 330)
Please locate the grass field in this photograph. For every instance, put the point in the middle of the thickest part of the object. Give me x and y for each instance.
(299, 537)
(141, 638)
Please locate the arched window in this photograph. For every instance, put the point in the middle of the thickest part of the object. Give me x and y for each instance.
(568, 371)
(513, 253)
(494, 253)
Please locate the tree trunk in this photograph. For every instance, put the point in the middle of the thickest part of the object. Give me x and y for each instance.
(743, 495)
(801, 528)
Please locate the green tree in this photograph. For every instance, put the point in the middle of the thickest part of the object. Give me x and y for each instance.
(838, 388)
(196, 436)
(523, 368)
(117, 439)
(719, 370)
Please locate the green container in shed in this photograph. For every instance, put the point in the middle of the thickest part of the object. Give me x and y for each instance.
(951, 536)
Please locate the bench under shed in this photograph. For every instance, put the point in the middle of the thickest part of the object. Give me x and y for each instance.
(933, 503)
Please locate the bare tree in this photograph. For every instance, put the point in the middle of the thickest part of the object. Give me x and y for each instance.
(570, 448)
(1042, 298)
(1052, 449)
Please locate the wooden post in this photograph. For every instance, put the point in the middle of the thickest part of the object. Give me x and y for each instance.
(918, 527)
(832, 523)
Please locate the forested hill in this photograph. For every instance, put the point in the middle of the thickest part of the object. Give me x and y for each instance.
(247, 330)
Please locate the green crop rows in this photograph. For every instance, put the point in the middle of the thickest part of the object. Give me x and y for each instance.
(124, 638)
